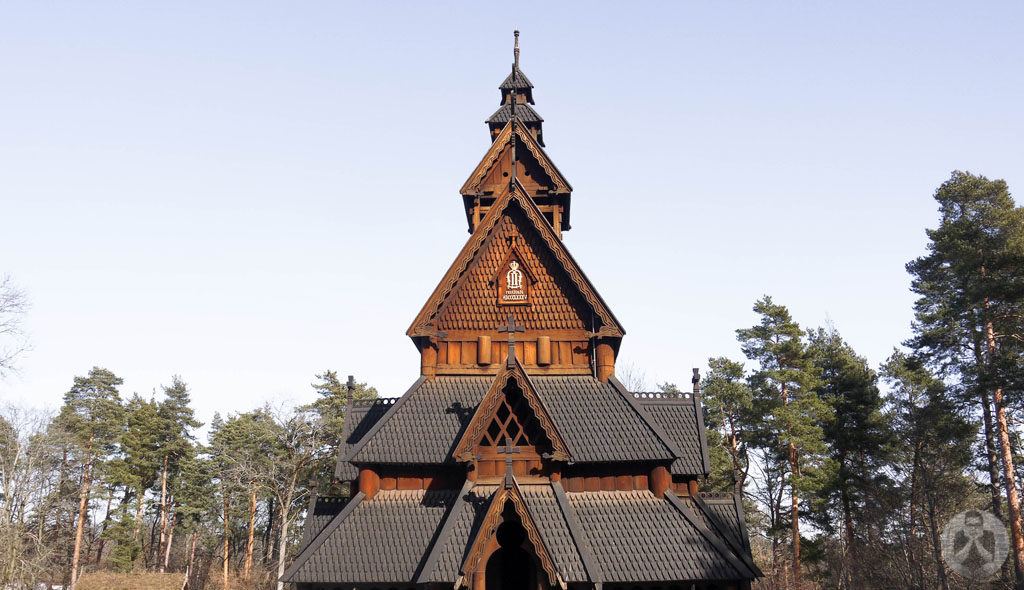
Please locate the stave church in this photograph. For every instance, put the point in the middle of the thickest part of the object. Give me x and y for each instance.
(517, 461)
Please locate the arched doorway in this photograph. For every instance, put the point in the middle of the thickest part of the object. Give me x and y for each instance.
(511, 566)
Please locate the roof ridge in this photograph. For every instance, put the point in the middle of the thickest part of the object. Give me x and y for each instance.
(594, 570)
(737, 546)
(437, 543)
(319, 540)
(383, 419)
(661, 434)
(716, 541)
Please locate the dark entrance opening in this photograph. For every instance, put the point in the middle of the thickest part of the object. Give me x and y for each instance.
(511, 567)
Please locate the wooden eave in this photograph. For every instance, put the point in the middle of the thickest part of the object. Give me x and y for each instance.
(489, 404)
(490, 526)
(457, 272)
(493, 154)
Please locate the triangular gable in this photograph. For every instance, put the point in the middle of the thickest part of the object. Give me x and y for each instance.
(458, 274)
(525, 139)
(488, 407)
(489, 528)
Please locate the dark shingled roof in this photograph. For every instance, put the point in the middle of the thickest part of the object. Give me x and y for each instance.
(595, 420)
(524, 112)
(398, 533)
(554, 531)
(465, 519)
(681, 418)
(361, 417)
(382, 540)
(620, 527)
(517, 80)
(726, 509)
(325, 509)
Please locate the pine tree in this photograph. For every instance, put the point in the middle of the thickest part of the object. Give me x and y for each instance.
(791, 413)
(931, 455)
(176, 423)
(970, 315)
(858, 437)
(92, 412)
(331, 406)
(728, 406)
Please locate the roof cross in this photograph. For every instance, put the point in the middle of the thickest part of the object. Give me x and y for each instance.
(507, 450)
(511, 328)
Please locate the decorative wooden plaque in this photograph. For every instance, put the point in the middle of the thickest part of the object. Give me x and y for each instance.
(514, 281)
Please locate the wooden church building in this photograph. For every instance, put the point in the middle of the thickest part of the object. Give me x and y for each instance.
(517, 460)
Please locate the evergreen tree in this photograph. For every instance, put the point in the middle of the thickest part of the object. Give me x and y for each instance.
(728, 406)
(931, 456)
(791, 413)
(176, 423)
(331, 406)
(92, 413)
(970, 315)
(858, 437)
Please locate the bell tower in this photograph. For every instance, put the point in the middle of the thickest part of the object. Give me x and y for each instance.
(517, 151)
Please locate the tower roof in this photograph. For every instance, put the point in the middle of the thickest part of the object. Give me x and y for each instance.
(516, 93)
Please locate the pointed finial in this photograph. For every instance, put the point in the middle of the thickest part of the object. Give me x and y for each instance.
(516, 52)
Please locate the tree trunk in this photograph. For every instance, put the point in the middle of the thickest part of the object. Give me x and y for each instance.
(991, 455)
(795, 512)
(106, 520)
(913, 545)
(163, 509)
(191, 558)
(226, 530)
(940, 566)
(250, 542)
(283, 536)
(1012, 499)
(267, 532)
(170, 541)
(83, 509)
(138, 514)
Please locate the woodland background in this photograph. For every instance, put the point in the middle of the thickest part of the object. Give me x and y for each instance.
(849, 471)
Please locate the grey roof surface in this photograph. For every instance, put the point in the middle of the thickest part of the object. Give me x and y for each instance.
(728, 509)
(554, 531)
(621, 525)
(597, 423)
(381, 540)
(325, 509)
(677, 416)
(466, 519)
(525, 113)
(517, 80)
(633, 535)
(361, 417)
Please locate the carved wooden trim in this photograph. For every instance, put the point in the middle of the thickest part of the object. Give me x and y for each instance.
(498, 146)
(488, 406)
(458, 272)
(489, 528)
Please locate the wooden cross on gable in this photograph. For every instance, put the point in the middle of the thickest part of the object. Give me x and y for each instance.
(508, 450)
(511, 328)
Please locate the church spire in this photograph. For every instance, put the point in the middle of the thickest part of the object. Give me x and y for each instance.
(517, 94)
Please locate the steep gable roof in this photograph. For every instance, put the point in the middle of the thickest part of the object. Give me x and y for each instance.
(595, 420)
(513, 200)
(523, 139)
(486, 410)
(514, 494)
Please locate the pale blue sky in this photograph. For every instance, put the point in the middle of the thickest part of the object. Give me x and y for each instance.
(248, 193)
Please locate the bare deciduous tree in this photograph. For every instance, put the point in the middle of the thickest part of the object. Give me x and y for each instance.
(13, 305)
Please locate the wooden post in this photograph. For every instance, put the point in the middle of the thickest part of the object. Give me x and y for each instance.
(659, 481)
(369, 482)
(605, 361)
(428, 360)
(693, 487)
(544, 350)
(483, 350)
